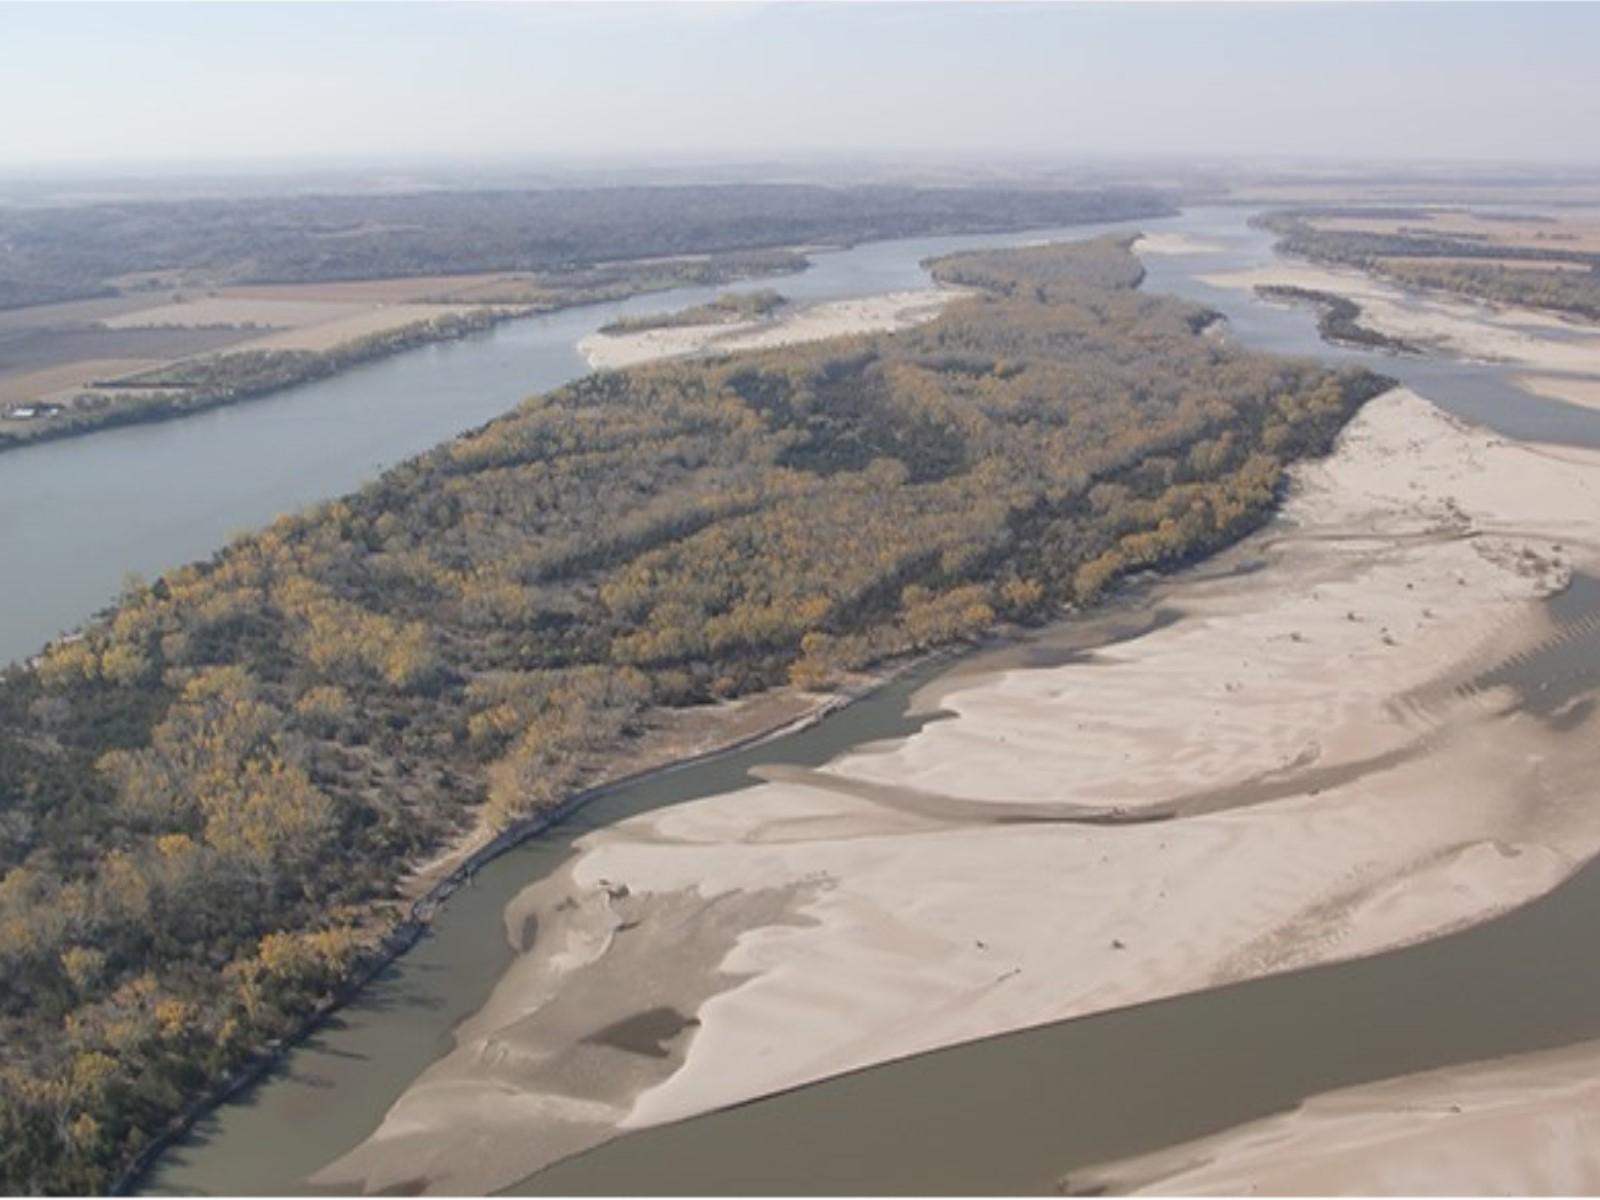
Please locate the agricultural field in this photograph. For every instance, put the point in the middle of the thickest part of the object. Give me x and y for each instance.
(49, 352)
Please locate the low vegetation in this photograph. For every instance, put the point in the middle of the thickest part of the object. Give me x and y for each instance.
(207, 798)
(724, 310)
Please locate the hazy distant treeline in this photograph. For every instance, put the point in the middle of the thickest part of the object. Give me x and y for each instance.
(58, 253)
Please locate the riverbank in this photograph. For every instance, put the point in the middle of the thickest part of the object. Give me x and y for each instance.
(673, 739)
(853, 915)
(256, 374)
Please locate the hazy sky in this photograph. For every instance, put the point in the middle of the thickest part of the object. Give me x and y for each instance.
(122, 83)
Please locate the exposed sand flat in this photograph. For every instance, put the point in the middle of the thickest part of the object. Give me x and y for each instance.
(1457, 327)
(1528, 1125)
(1568, 388)
(1174, 243)
(1341, 727)
(836, 318)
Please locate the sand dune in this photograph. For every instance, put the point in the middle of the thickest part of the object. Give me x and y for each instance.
(1342, 736)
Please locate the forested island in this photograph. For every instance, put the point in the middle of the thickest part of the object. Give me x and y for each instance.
(209, 795)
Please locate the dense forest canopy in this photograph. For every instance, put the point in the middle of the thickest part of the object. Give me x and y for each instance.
(207, 798)
(49, 254)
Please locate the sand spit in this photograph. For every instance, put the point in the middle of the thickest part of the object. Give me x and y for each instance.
(1459, 328)
(1348, 727)
(1528, 1125)
(836, 318)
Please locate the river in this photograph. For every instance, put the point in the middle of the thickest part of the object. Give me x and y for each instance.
(1005, 1114)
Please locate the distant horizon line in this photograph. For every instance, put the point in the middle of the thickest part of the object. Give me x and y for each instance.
(641, 158)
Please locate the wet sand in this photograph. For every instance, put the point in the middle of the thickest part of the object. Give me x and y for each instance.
(1338, 724)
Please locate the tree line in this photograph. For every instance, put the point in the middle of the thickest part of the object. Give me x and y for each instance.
(49, 254)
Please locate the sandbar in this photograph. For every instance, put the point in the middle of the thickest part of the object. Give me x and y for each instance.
(1335, 747)
(836, 318)
(1528, 1125)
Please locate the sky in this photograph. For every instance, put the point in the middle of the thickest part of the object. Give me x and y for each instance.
(124, 84)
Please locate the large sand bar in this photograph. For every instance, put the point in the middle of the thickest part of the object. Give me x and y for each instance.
(1334, 749)
(834, 318)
